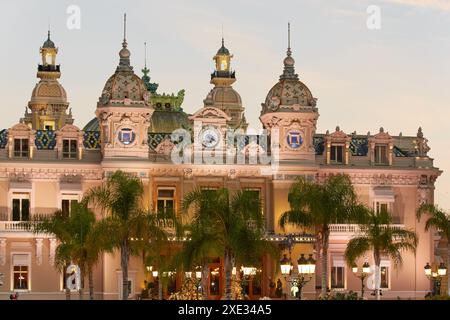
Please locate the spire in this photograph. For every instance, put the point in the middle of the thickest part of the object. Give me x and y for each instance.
(124, 43)
(152, 87)
(289, 70)
(124, 64)
(289, 52)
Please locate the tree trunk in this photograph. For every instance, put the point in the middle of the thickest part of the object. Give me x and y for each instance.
(160, 288)
(377, 279)
(205, 272)
(80, 291)
(228, 268)
(124, 255)
(325, 235)
(448, 276)
(91, 283)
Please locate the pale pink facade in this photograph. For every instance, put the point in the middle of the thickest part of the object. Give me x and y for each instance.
(46, 162)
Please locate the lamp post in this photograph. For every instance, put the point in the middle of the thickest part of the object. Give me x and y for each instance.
(436, 276)
(198, 278)
(365, 271)
(306, 269)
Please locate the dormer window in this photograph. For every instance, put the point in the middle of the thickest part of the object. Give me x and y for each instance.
(21, 148)
(336, 154)
(70, 147)
(381, 155)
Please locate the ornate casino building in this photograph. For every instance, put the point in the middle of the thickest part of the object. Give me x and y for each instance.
(47, 162)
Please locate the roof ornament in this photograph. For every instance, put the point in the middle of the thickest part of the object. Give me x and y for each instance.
(289, 70)
(124, 64)
(419, 133)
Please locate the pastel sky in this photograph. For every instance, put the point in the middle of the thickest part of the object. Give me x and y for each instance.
(397, 77)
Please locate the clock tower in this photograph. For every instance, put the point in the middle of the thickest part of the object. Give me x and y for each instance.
(290, 113)
(124, 111)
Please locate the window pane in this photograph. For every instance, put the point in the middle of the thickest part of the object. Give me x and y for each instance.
(16, 210)
(20, 276)
(169, 206)
(333, 153)
(65, 146)
(384, 277)
(160, 206)
(73, 146)
(25, 209)
(337, 277)
(339, 154)
(65, 207)
(165, 193)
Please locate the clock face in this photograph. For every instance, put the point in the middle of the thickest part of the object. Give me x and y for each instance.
(126, 136)
(294, 139)
(210, 137)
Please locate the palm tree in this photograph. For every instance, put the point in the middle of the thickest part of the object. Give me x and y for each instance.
(127, 225)
(379, 236)
(316, 206)
(439, 220)
(220, 227)
(77, 240)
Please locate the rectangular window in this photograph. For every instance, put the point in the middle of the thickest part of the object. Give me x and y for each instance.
(20, 271)
(336, 155)
(166, 200)
(382, 207)
(66, 206)
(21, 148)
(20, 209)
(70, 148)
(381, 155)
(337, 277)
(384, 277)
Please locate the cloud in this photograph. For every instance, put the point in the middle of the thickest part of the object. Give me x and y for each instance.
(443, 5)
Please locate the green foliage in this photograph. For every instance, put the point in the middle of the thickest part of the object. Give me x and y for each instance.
(437, 297)
(78, 237)
(437, 218)
(315, 206)
(126, 225)
(224, 225)
(351, 295)
(378, 235)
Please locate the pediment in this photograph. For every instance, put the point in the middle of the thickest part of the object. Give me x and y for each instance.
(210, 113)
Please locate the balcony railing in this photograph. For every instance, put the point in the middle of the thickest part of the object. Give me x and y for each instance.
(355, 228)
(13, 226)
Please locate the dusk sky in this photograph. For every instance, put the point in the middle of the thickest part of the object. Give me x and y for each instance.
(397, 77)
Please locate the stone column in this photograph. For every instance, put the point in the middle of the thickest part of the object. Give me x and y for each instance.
(39, 243)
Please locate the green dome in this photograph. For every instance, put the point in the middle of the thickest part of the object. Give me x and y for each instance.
(168, 121)
(223, 50)
(49, 44)
(92, 125)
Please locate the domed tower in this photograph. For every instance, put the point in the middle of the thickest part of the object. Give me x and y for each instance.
(223, 96)
(124, 111)
(290, 110)
(47, 109)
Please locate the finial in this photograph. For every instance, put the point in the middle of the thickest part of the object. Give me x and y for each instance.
(381, 129)
(289, 39)
(338, 128)
(145, 55)
(124, 44)
(223, 42)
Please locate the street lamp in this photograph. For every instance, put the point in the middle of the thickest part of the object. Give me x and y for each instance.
(306, 269)
(436, 276)
(364, 273)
